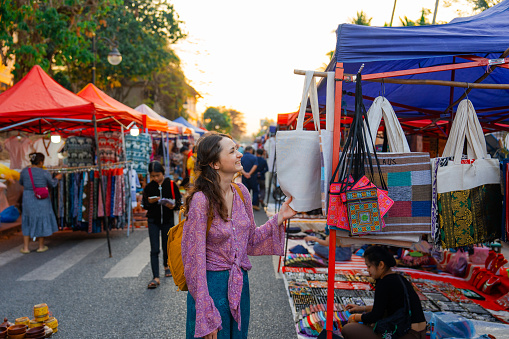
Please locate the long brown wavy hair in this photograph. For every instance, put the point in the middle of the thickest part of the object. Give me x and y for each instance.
(207, 179)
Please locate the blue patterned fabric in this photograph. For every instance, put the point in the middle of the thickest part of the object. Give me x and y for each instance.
(138, 150)
(217, 282)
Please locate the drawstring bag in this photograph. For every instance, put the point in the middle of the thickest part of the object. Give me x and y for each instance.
(39, 192)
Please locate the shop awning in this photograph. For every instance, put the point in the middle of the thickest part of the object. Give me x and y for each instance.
(37, 103)
(146, 110)
(107, 105)
(480, 39)
(191, 126)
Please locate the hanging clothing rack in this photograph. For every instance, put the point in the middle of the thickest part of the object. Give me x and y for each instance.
(89, 168)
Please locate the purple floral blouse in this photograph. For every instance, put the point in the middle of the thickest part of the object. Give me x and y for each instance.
(226, 247)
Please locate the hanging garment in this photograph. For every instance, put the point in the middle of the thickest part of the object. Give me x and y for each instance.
(18, 152)
(80, 151)
(138, 150)
(110, 147)
(50, 150)
(467, 197)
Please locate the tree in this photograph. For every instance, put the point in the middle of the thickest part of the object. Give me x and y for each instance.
(144, 31)
(167, 89)
(361, 19)
(57, 34)
(264, 126)
(422, 21)
(238, 124)
(51, 33)
(482, 5)
(215, 120)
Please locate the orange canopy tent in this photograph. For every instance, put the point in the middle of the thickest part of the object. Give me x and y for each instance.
(105, 103)
(37, 103)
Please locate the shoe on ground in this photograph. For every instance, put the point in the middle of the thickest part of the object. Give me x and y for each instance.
(256, 208)
(23, 251)
(44, 249)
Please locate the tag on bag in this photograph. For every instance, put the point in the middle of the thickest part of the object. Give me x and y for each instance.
(363, 211)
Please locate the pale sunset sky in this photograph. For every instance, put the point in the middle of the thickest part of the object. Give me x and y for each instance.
(242, 54)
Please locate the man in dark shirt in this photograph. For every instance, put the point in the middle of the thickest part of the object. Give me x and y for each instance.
(250, 163)
(261, 170)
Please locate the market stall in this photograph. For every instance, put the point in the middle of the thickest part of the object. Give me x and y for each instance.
(412, 67)
(57, 111)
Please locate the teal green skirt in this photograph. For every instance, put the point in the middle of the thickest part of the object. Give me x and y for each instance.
(217, 282)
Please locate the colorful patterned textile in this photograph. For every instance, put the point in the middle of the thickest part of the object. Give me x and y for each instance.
(408, 179)
(337, 217)
(470, 216)
(363, 211)
(110, 146)
(80, 151)
(138, 150)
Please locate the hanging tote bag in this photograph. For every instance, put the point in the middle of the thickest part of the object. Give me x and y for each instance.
(407, 174)
(326, 143)
(467, 198)
(298, 156)
(39, 192)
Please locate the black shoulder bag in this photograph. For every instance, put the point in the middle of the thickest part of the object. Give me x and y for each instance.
(397, 324)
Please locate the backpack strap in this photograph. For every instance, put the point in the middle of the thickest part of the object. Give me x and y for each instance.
(172, 189)
(239, 192)
(211, 214)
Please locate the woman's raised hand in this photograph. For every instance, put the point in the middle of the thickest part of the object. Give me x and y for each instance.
(286, 212)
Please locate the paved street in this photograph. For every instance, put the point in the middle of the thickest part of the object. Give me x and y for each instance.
(94, 296)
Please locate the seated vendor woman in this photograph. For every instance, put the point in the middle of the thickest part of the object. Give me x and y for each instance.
(389, 297)
(321, 248)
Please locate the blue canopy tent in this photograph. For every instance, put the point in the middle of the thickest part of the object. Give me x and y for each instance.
(461, 51)
(188, 124)
(421, 71)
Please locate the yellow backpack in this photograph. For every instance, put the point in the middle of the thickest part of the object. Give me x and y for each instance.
(175, 247)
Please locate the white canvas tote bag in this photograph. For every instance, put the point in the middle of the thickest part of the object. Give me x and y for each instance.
(298, 158)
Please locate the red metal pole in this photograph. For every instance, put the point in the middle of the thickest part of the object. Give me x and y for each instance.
(332, 233)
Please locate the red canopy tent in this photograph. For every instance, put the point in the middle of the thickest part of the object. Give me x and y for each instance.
(105, 103)
(37, 103)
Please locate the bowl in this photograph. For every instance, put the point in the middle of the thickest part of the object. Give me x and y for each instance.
(16, 329)
(17, 336)
(35, 332)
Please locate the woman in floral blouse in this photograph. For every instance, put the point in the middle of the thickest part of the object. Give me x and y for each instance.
(216, 264)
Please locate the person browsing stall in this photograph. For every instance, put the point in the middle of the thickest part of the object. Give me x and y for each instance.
(389, 298)
(260, 172)
(216, 262)
(37, 216)
(161, 197)
(249, 179)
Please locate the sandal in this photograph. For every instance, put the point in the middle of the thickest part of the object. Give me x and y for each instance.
(153, 284)
(167, 272)
(44, 249)
(24, 252)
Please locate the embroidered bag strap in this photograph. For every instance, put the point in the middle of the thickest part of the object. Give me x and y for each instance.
(31, 178)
